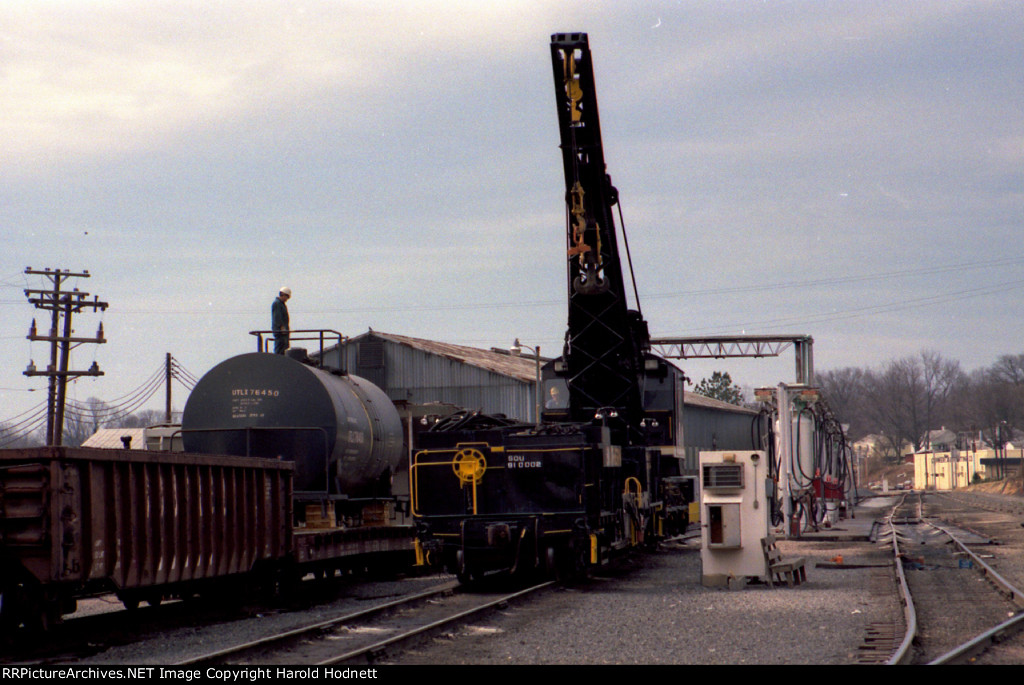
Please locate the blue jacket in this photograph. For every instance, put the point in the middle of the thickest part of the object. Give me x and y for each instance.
(279, 316)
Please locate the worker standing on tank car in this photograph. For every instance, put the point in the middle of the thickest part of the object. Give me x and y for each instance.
(279, 320)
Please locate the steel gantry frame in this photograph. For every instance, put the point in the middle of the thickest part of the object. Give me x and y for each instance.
(723, 346)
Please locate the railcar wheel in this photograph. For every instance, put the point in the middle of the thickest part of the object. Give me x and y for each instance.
(462, 572)
(25, 603)
(579, 557)
(551, 562)
(14, 608)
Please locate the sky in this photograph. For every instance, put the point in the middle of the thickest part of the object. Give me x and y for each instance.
(849, 170)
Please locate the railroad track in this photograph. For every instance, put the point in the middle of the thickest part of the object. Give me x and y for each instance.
(985, 501)
(956, 605)
(111, 634)
(368, 635)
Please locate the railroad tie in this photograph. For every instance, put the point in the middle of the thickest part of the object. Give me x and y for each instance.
(880, 642)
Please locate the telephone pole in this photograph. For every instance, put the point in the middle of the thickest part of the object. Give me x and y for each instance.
(60, 303)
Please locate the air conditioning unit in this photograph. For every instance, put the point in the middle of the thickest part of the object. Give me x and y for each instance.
(734, 516)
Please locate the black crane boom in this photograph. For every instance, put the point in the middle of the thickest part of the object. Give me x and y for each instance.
(605, 341)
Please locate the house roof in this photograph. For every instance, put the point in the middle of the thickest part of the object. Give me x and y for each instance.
(110, 438)
(942, 436)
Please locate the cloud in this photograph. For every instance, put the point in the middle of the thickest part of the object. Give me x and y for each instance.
(397, 164)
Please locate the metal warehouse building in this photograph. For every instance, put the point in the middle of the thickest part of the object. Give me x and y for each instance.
(413, 371)
(424, 376)
(714, 425)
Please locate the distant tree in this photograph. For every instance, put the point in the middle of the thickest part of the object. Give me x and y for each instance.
(96, 412)
(14, 435)
(77, 427)
(908, 397)
(913, 395)
(1009, 369)
(83, 419)
(996, 397)
(141, 419)
(844, 389)
(720, 387)
(944, 381)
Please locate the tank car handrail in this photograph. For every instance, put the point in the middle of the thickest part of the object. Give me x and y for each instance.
(249, 430)
(320, 334)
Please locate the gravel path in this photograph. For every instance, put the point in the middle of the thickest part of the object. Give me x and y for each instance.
(659, 613)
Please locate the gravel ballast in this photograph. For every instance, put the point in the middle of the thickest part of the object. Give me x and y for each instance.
(652, 609)
(659, 613)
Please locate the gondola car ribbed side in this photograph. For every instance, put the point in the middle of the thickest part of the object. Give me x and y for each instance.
(77, 522)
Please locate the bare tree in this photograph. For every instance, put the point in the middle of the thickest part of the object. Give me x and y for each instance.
(844, 390)
(914, 395)
(14, 435)
(997, 397)
(1009, 369)
(889, 402)
(942, 381)
(77, 428)
(906, 398)
(83, 419)
(141, 419)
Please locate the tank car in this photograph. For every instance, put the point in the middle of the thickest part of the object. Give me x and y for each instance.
(343, 436)
(341, 431)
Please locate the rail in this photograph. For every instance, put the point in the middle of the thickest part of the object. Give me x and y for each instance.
(314, 628)
(316, 632)
(371, 652)
(995, 634)
(909, 613)
(977, 643)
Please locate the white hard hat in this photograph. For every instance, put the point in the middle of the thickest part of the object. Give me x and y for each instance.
(286, 291)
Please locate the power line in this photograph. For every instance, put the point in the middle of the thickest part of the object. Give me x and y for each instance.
(10, 434)
(101, 412)
(717, 290)
(873, 309)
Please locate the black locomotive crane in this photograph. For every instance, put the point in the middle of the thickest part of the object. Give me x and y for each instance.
(494, 498)
(605, 342)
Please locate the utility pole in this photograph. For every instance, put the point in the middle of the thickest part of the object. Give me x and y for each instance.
(168, 373)
(60, 303)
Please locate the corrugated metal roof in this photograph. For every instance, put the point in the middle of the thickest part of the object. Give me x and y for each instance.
(520, 368)
(110, 438)
(694, 399)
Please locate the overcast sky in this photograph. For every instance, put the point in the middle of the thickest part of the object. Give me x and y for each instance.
(850, 170)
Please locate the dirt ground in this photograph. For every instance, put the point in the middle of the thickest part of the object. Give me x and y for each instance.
(1011, 486)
